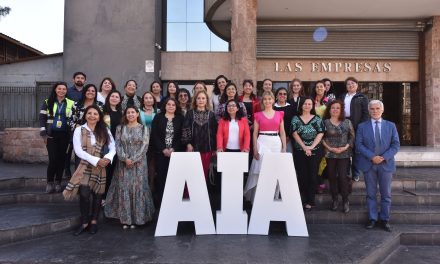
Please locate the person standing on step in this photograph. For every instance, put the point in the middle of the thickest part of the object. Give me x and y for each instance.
(339, 141)
(74, 93)
(89, 142)
(377, 142)
(55, 116)
(356, 109)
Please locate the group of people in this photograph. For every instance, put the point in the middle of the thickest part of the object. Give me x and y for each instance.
(123, 143)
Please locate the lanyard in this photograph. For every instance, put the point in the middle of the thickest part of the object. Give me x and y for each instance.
(60, 108)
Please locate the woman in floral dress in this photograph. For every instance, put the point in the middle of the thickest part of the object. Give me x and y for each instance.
(129, 198)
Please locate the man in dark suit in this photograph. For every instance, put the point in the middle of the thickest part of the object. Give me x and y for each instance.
(377, 142)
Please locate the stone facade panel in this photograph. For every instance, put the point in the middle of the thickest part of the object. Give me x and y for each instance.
(23, 145)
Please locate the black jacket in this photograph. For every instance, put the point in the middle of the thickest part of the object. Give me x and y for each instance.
(158, 128)
(358, 109)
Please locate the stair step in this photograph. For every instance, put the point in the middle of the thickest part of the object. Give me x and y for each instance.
(30, 195)
(417, 215)
(26, 221)
(419, 198)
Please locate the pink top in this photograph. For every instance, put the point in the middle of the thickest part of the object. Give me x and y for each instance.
(267, 124)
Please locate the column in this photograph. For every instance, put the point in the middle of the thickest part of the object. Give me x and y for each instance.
(432, 81)
(244, 41)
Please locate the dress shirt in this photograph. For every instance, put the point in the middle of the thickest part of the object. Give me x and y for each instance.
(347, 102)
(373, 123)
(86, 156)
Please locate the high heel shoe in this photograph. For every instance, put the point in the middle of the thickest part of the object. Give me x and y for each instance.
(93, 229)
(80, 230)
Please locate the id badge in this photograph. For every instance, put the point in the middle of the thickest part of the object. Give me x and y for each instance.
(59, 124)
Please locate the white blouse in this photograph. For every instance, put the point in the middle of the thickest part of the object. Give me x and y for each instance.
(234, 135)
(86, 156)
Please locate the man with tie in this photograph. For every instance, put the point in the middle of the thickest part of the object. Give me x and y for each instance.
(377, 142)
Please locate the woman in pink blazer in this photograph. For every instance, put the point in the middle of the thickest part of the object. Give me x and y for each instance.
(233, 134)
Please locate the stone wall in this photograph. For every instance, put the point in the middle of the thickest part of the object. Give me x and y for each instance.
(23, 145)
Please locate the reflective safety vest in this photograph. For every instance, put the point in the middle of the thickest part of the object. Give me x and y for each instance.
(69, 105)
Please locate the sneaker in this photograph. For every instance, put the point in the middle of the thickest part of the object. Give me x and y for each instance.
(346, 207)
(58, 187)
(356, 178)
(49, 187)
(125, 227)
(132, 227)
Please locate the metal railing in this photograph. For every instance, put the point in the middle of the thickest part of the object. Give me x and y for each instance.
(20, 106)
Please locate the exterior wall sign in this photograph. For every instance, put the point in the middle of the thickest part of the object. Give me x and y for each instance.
(328, 67)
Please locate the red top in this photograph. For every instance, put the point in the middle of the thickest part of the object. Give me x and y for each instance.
(255, 104)
(223, 134)
(267, 124)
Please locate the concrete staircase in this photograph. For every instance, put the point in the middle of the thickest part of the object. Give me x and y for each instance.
(415, 200)
(27, 212)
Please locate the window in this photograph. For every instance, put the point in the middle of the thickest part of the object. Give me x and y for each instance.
(186, 30)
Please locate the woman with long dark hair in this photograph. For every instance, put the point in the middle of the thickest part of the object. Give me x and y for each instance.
(166, 137)
(250, 100)
(329, 89)
(184, 99)
(129, 198)
(89, 97)
(172, 89)
(296, 95)
(318, 95)
(107, 85)
(112, 117)
(156, 91)
(89, 142)
(55, 116)
(233, 133)
(230, 93)
(307, 130)
(219, 88)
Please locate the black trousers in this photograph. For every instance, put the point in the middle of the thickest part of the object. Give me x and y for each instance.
(306, 170)
(337, 177)
(84, 204)
(110, 169)
(56, 149)
(162, 164)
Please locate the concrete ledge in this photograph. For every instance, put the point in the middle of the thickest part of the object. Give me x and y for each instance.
(418, 157)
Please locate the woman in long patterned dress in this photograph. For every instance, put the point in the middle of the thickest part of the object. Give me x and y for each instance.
(129, 198)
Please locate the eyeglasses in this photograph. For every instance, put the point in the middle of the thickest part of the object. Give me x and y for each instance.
(183, 95)
(282, 94)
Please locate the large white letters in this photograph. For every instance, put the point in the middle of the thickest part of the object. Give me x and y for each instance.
(232, 219)
(277, 168)
(185, 167)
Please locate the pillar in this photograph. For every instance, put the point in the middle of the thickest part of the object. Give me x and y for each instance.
(244, 41)
(432, 82)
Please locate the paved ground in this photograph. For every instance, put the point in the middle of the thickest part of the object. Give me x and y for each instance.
(326, 244)
(335, 244)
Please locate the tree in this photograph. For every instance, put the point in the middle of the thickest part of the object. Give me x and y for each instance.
(4, 10)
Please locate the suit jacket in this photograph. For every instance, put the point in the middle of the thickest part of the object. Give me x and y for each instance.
(365, 145)
(358, 109)
(158, 132)
(223, 134)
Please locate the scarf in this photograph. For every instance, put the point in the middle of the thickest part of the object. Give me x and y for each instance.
(86, 174)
